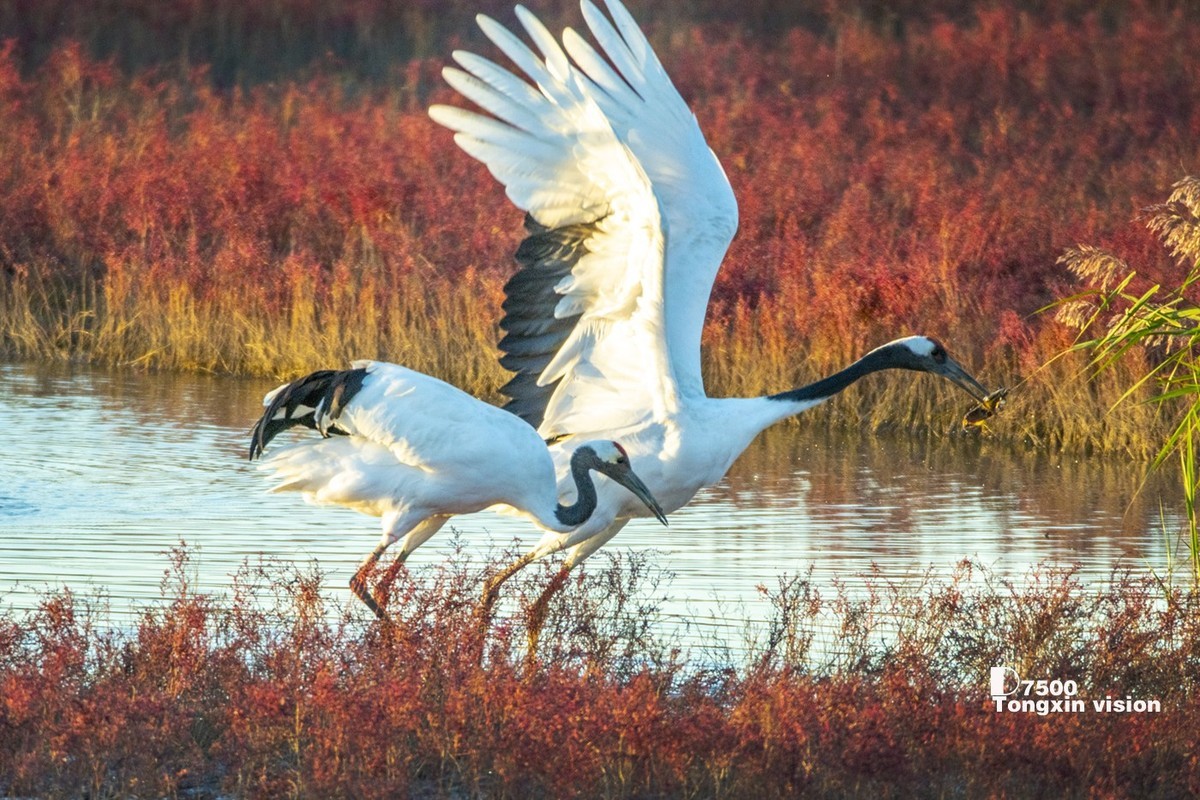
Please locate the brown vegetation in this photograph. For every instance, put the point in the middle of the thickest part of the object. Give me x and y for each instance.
(272, 692)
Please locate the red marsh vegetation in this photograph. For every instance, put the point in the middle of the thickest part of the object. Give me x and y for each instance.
(899, 169)
(270, 692)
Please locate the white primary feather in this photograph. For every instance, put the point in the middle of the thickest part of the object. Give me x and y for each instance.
(618, 149)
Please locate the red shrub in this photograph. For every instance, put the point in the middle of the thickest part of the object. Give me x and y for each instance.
(272, 692)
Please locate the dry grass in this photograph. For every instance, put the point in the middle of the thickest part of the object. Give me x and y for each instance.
(423, 321)
(1125, 316)
(445, 329)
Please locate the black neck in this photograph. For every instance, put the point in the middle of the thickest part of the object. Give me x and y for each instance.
(577, 513)
(882, 358)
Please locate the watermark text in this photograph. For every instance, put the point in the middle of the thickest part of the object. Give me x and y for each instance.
(1012, 694)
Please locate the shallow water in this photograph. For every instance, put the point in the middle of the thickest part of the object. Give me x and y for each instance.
(106, 471)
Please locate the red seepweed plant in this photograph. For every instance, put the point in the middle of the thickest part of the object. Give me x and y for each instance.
(272, 691)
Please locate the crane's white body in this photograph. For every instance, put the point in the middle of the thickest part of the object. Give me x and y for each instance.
(422, 450)
(415, 451)
(617, 150)
(676, 457)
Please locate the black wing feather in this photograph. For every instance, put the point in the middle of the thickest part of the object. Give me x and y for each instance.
(532, 333)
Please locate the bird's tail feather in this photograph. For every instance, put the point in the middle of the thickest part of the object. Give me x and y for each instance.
(314, 401)
(347, 471)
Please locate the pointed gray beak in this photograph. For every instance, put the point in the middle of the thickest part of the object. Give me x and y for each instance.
(953, 372)
(633, 483)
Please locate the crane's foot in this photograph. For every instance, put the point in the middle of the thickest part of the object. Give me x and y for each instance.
(358, 584)
(491, 588)
(491, 593)
(383, 587)
(487, 603)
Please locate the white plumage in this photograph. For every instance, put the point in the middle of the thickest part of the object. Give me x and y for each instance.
(629, 217)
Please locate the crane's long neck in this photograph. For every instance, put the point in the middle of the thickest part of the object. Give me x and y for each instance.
(757, 414)
(819, 391)
(578, 512)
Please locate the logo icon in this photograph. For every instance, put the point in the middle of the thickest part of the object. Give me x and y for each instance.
(999, 680)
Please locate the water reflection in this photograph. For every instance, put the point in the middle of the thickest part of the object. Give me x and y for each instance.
(107, 470)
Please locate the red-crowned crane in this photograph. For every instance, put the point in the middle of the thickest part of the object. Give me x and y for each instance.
(413, 450)
(628, 215)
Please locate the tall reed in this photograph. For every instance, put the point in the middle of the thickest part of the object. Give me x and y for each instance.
(1123, 315)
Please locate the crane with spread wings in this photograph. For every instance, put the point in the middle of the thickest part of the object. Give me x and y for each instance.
(628, 216)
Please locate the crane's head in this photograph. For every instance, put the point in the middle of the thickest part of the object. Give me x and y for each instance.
(923, 354)
(610, 458)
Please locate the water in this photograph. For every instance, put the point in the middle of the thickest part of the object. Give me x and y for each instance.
(106, 471)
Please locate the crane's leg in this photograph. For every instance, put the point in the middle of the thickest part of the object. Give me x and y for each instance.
(536, 616)
(537, 612)
(415, 538)
(396, 524)
(358, 583)
(491, 588)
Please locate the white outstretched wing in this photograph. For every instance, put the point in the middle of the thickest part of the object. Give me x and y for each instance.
(629, 217)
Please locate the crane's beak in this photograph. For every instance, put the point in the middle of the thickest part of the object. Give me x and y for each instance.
(633, 483)
(953, 372)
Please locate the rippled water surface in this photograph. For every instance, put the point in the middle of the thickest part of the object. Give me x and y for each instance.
(105, 471)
